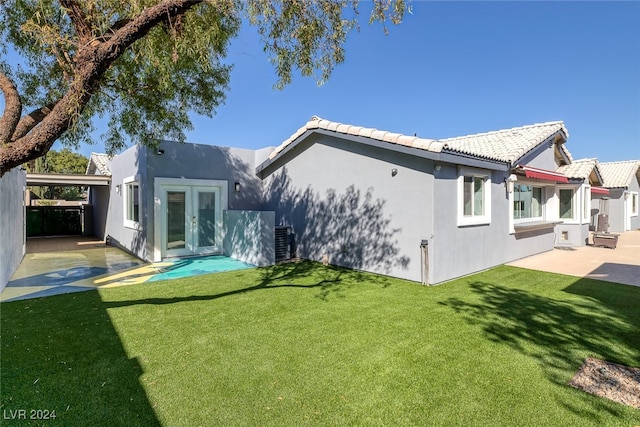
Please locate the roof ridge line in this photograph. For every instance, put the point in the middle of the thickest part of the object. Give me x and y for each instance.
(560, 122)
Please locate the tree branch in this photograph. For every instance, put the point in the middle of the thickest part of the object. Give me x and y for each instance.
(12, 108)
(92, 61)
(31, 120)
(139, 26)
(80, 21)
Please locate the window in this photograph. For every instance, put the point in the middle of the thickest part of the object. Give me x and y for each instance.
(474, 207)
(131, 201)
(634, 204)
(566, 203)
(527, 202)
(473, 196)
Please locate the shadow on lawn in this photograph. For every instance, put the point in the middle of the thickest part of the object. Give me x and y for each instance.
(559, 334)
(63, 354)
(330, 280)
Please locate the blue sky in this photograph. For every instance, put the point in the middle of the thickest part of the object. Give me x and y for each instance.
(452, 69)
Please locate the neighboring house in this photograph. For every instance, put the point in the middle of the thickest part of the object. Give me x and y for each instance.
(410, 207)
(622, 179)
(423, 209)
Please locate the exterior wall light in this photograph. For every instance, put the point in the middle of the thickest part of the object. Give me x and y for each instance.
(118, 188)
(394, 172)
(160, 152)
(237, 187)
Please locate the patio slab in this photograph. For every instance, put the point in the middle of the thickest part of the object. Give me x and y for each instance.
(50, 268)
(620, 265)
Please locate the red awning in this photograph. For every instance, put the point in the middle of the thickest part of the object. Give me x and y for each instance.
(543, 174)
(599, 190)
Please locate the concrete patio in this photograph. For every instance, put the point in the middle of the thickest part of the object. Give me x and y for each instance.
(620, 265)
(60, 265)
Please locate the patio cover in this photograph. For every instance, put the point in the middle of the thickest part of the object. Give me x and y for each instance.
(531, 172)
(599, 190)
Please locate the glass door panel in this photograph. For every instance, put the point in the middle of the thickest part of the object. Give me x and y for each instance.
(206, 229)
(176, 220)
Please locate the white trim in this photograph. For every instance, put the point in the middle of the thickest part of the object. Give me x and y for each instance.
(586, 204)
(542, 204)
(159, 201)
(576, 208)
(485, 218)
(125, 202)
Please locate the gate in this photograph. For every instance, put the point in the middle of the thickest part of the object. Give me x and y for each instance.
(55, 220)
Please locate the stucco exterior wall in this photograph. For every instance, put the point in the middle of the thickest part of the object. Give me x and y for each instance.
(345, 203)
(249, 236)
(99, 199)
(571, 235)
(188, 161)
(199, 161)
(12, 231)
(616, 209)
(543, 157)
(462, 250)
(131, 162)
(205, 162)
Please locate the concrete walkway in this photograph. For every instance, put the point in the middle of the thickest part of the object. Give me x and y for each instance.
(620, 265)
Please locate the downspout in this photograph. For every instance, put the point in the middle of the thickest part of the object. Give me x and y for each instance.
(424, 266)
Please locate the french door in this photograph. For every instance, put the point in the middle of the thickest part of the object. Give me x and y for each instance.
(191, 220)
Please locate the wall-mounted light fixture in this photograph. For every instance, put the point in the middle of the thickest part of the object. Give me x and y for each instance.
(237, 187)
(394, 172)
(160, 151)
(118, 188)
(438, 167)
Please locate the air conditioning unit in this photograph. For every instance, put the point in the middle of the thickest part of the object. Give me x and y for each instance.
(284, 244)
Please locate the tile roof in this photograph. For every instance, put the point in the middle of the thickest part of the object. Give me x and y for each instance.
(504, 145)
(619, 174)
(507, 145)
(379, 135)
(99, 162)
(579, 168)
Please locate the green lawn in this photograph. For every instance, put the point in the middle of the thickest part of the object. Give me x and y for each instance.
(304, 344)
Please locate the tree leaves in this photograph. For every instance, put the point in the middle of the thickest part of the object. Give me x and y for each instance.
(148, 85)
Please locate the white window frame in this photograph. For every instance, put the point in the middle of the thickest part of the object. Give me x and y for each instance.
(633, 195)
(485, 218)
(132, 180)
(512, 199)
(575, 206)
(586, 204)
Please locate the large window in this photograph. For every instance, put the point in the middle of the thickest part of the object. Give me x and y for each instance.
(566, 203)
(474, 200)
(131, 201)
(634, 203)
(527, 202)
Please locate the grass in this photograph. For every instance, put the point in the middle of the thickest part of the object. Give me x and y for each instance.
(303, 344)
